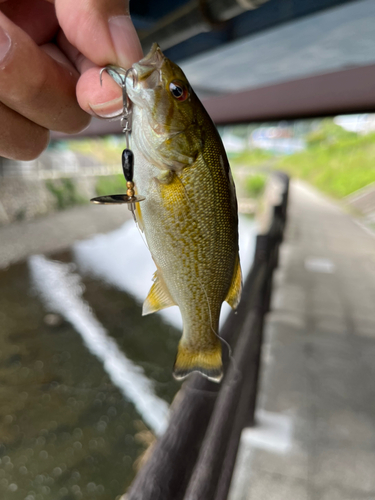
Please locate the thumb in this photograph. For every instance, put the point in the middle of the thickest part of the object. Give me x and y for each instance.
(101, 30)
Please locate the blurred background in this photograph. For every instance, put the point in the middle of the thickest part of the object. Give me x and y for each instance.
(86, 381)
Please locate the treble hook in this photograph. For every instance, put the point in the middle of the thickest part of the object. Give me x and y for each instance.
(120, 75)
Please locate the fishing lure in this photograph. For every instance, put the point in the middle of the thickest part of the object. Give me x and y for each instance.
(119, 75)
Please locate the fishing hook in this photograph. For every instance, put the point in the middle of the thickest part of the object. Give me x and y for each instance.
(120, 76)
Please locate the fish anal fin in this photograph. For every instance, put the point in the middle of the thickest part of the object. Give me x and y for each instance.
(234, 294)
(205, 361)
(158, 297)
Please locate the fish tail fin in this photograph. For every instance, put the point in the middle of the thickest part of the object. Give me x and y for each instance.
(206, 361)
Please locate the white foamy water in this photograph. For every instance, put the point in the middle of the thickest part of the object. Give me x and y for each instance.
(122, 259)
(61, 291)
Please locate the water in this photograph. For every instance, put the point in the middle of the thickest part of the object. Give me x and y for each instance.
(85, 380)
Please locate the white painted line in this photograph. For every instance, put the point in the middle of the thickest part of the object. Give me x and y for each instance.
(365, 228)
(319, 265)
(61, 291)
(273, 432)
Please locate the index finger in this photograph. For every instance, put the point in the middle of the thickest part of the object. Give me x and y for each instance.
(101, 30)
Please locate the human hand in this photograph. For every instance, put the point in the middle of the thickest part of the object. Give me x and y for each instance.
(50, 57)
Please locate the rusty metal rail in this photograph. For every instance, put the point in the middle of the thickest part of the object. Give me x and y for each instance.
(194, 459)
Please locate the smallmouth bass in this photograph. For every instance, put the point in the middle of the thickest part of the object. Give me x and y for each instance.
(189, 217)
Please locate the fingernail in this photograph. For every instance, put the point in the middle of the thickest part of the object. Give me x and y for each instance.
(125, 40)
(5, 43)
(109, 109)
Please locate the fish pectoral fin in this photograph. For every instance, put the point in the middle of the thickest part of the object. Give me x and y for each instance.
(234, 294)
(166, 177)
(206, 361)
(158, 297)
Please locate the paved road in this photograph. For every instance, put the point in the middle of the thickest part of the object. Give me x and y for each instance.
(57, 231)
(316, 433)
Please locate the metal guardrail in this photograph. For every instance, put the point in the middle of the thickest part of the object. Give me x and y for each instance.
(194, 459)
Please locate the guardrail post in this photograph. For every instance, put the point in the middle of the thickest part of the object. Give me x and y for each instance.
(263, 256)
(267, 249)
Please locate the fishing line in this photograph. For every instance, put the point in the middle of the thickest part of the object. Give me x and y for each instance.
(222, 339)
(140, 232)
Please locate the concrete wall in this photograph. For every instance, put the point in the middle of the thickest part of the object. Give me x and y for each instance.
(23, 198)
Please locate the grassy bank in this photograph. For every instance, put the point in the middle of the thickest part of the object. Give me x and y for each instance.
(110, 184)
(251, 157)
(65, 193)
(106, 150)
(336, 161)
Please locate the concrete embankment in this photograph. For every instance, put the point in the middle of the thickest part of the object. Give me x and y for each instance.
(23, 198)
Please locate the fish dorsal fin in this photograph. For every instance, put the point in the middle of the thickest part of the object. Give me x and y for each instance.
(235, 289)
(158, 297)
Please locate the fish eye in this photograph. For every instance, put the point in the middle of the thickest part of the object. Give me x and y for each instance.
(178, 90)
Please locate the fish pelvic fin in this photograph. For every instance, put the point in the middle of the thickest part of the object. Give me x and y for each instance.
(207, 361)
(138, 215)
(235, 290)
(158, 297)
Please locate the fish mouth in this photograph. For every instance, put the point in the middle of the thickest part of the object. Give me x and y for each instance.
(154, 58)
(151, 63)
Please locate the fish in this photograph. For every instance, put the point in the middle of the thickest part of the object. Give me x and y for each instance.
(189, 217)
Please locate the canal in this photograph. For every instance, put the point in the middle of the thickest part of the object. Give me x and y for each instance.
(86, 381)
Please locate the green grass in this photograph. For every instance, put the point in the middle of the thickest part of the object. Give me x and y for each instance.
(110, 184)
(65, 193)
(255, 185)
(107, 150)
(336, 161)
(250, 157)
